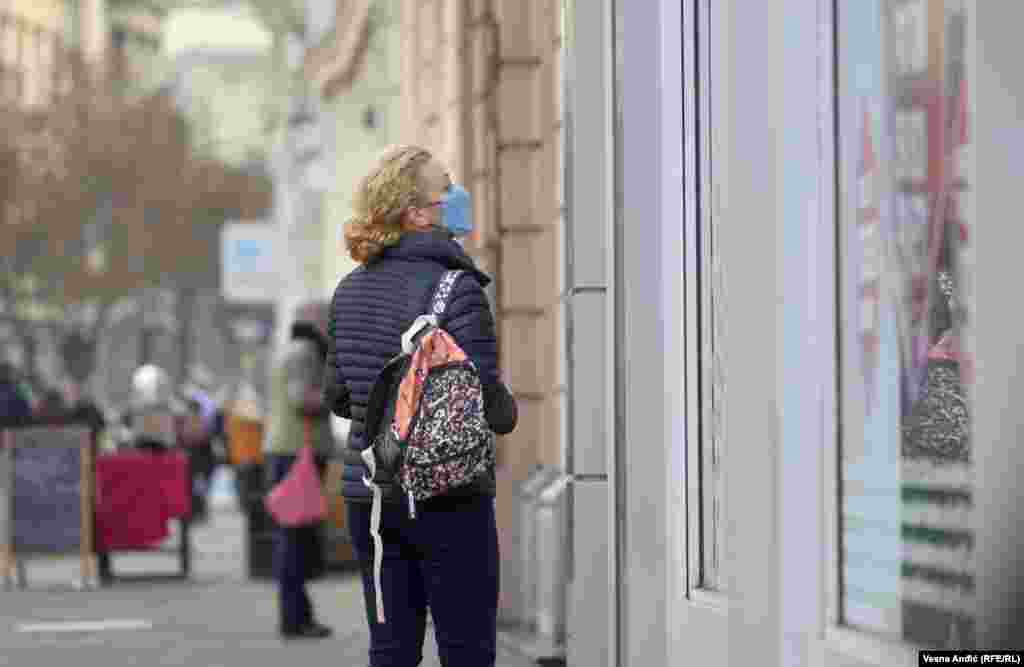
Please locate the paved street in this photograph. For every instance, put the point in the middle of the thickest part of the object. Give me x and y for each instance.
(219, 618)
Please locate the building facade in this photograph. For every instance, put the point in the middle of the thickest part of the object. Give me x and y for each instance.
(230, 99)
(40, 41)
(226, 79)
(734, 248)
(31, 37)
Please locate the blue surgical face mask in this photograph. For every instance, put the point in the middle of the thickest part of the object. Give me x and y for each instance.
(456, 211)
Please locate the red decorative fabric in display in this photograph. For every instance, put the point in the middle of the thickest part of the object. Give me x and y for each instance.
(136, 495)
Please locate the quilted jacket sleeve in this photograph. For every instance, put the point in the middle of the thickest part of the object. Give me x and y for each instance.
(470, 321)
(336, 392)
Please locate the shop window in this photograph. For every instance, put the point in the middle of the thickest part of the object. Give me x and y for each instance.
(906, 541)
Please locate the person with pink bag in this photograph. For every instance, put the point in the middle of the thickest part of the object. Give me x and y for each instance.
(298, 442)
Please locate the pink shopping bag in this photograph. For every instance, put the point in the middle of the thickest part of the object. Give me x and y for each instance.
(299, 498)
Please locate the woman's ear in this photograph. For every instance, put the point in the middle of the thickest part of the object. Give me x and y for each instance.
(417, 218)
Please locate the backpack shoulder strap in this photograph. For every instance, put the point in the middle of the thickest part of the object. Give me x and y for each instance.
(377, 407)
(436, 308)
(443, 294)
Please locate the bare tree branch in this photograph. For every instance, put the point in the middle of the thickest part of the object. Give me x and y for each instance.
(101, 195)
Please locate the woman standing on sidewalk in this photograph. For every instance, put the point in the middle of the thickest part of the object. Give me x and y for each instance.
(408, 216)
(297, 414)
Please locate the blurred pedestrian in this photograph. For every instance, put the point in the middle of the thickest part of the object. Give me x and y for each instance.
(82, 409)
(14, 406)
(51, 408)
(297, 412)
(410, 218)
(220, 431)
(196, 440)
(200, 422)
(81, 406)
(154, 410)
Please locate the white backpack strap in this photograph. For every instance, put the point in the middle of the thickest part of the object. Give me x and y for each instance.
(443, 293)
(435, 312)
(378, 543)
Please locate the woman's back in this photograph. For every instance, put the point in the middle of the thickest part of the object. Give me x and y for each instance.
(407, 213)
(375, 304)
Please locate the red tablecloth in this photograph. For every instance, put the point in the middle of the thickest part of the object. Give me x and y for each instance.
(136, 494)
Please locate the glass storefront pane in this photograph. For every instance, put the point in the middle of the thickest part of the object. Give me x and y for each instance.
(906, 477)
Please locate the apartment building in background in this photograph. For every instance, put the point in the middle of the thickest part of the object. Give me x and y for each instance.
(223, 74)
(42, 41)
(32, 50)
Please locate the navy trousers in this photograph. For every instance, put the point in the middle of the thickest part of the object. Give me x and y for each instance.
(298, 558)
(445, 559)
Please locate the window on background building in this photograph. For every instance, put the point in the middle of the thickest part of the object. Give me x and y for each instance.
(906, 479)
(118, 39)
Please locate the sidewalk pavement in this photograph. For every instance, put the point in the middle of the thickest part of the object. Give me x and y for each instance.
(217, 619)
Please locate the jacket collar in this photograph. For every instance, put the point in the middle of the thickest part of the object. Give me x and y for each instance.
(434, 246)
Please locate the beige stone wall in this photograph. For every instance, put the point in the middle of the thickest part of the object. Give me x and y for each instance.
(481, 86)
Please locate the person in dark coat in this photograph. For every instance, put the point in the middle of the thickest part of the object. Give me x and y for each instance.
(409, 216)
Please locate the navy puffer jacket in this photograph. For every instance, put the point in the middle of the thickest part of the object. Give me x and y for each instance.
(373, 306)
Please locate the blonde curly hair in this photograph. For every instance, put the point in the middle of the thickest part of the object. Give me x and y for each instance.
(393, 185)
